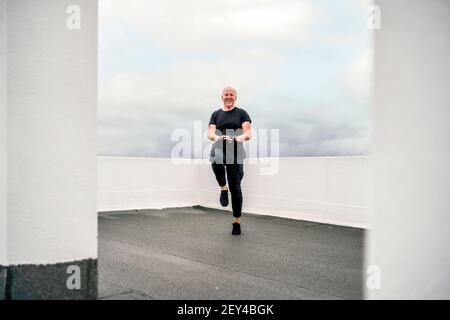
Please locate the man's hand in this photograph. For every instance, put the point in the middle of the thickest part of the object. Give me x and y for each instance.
(217, 138)
(239, 138)
(227, 138)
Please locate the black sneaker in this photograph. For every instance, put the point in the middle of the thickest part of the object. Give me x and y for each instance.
(224, 198)
(236, 229)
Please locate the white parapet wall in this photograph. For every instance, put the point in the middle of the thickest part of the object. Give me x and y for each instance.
(321, 189)
(143, 183)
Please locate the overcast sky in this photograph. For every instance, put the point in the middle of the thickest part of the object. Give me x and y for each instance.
(303, 67)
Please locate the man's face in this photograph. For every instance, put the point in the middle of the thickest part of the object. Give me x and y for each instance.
(229, 97)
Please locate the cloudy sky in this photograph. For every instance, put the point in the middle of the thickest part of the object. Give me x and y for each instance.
(303, 67)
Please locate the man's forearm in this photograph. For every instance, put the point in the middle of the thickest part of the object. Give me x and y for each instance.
(212, 136)
(247, 135)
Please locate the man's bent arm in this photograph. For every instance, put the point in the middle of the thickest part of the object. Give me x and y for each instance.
(247, 135)
(212, 133)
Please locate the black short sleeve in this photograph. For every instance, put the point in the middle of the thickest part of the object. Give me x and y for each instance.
(213, 119)
(245, 116)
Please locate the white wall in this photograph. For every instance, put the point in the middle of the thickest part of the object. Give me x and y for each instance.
(3, 237)
(410, 216)
(139, 183)
(52, 96)
(324, 189)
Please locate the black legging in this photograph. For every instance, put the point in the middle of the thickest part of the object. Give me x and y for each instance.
(235, 173)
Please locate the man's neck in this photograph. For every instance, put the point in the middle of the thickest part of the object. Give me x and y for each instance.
(228, 109)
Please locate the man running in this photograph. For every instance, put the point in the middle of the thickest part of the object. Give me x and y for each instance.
(229, 127)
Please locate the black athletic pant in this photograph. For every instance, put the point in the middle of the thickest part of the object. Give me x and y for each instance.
(234, 174)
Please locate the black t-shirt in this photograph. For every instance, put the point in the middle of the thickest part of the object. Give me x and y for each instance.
(228, 123)
(231, 120)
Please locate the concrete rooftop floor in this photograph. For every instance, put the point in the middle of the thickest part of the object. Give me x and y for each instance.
(189, 253)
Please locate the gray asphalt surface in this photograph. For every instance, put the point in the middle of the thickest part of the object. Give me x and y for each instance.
(189, 253)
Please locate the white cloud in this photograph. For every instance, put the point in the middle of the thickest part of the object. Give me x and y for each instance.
(190, 86)
(206, 25)
(357, 79)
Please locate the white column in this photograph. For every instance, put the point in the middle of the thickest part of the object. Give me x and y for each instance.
(51, 142)
(3, 260)
(52, 94)
(409, 238)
